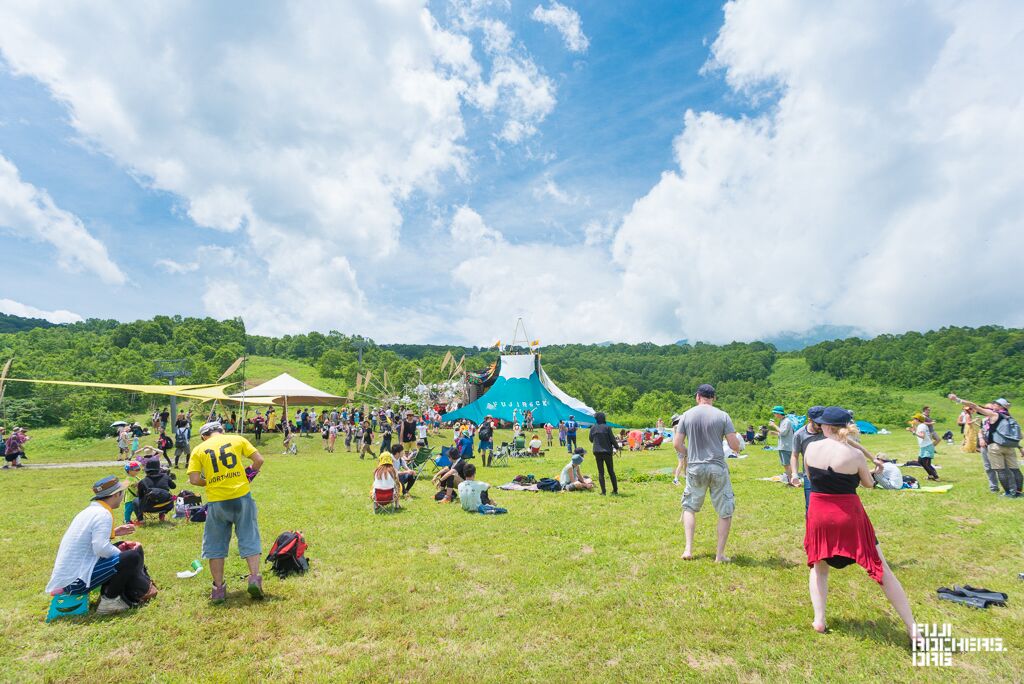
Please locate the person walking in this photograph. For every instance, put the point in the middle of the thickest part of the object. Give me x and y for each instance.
(784, 429)
(216, 464)
(604, 446)
(571, 426)
(698, 441)
(838, 531)
(804, 437)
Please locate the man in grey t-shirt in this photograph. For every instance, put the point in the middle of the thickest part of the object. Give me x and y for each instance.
(808, 434)
(698, 441)
(784, 429)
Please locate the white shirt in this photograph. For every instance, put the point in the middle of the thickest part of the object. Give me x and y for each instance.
(924, 435)
(386, 482)
(86, 541)
(421, 431)
(892, 476)
(470, 494)
(535, 443)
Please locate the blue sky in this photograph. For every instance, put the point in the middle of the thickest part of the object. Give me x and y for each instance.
(430, 177)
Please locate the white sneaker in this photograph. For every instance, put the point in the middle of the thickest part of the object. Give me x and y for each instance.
(108, 606)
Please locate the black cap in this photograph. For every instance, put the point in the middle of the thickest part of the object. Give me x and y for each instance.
(706, 391)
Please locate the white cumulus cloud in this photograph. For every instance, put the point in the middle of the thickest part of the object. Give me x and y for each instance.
(9, 306)
(29, 212)
(567, 22)
(882, 189)
(304, 126)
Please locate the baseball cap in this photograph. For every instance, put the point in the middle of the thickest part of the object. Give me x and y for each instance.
(707, 391)
(1002, 402)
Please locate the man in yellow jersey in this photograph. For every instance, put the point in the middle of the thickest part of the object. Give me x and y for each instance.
(216, 464)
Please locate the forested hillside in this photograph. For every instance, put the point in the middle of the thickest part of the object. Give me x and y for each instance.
(634, 383)
(10, 323)
(969, 361)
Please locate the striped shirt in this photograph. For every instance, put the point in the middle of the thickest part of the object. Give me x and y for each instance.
(86, 541)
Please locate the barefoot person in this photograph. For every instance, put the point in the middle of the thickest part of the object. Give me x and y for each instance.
(216, 464)
(88, 557)
(698, 441)
(838, 530)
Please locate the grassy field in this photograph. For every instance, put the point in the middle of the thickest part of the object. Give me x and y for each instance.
(569, 586)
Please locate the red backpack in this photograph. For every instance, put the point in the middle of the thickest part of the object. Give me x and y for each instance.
(288, 554)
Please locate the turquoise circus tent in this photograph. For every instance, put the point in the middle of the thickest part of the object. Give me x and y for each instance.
(522, 385)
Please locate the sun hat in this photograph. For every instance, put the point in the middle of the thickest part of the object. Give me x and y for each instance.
(577, 459)
(212, 426)
(674, 420)
(835, 416)
(1002, 402)
(919, 417)
(707, 391)
(778, 409)
(385, 459)
(108, 486)
(814, 413)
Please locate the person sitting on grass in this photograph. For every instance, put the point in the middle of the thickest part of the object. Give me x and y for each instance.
(385, 478)
(406, 475)
(154, 492)
(571, 479)
(535, 445)
(87, 557)
(474, 497)
(447, 479)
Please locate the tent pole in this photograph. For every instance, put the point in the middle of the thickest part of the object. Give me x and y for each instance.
(242, 430)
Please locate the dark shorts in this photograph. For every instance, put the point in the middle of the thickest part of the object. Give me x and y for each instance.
(11, 458)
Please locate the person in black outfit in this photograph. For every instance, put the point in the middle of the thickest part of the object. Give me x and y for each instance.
(156, 480)
(604, 445)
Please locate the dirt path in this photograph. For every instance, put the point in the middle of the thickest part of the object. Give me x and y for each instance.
(87, 464)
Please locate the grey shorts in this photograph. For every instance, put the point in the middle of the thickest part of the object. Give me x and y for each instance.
(784, 457)
(704, 477)
(220, 517)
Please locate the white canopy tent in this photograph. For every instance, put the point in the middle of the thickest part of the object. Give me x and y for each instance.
(285, 389)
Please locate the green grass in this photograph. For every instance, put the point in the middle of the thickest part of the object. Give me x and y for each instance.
(567, 587)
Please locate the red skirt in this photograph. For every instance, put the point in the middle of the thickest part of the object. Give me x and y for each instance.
(839, 532)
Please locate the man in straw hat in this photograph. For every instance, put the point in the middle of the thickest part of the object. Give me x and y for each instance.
(88, 557)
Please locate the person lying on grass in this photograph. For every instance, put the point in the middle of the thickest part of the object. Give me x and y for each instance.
(571, 479)
(473, 494)
(88, 557)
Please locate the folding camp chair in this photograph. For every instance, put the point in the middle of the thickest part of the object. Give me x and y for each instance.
(519, 449)
(444, 460)
(501, 455)
(384, 500)
(420, 460)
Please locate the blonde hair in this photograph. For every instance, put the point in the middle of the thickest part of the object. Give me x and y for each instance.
(845, 433)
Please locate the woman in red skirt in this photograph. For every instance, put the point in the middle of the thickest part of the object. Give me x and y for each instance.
(838, 530)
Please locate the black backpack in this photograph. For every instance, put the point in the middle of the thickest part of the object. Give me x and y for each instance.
(157, 501)
(547, 484)
(288, 554)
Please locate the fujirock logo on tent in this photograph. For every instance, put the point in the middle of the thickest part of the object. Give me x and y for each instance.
(516, 404)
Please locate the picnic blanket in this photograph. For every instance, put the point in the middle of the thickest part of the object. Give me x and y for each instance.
(937, 489)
